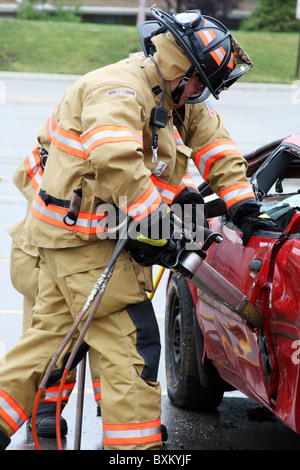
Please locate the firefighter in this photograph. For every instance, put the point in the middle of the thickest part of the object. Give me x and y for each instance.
(24, 273)
(24, 276)
(110, 142)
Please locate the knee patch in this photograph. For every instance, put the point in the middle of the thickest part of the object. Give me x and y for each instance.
(148, 339)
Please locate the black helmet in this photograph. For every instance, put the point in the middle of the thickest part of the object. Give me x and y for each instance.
(217, 59)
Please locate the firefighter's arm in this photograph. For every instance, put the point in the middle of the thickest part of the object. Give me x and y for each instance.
(113, 143)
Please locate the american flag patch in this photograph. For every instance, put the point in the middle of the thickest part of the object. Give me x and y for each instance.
(210, 108)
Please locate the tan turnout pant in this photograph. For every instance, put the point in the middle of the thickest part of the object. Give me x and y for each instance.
(129, 348)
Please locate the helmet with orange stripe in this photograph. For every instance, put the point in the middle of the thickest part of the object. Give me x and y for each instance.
(216, 58)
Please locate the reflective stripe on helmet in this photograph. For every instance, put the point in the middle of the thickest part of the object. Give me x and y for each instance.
(207, 36)
(219, 54)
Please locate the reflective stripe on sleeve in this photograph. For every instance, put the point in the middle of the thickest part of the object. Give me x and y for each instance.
(205, 157)
(51, 125)
(68, 142)
(11, 412)
(236, 193)
(186, 182)
(178, 139)
(33, 168)
(131, 433)
(54, 215)
(145, 204)
(109, 135)
(166, 190)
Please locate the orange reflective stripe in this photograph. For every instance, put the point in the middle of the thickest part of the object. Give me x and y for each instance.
(131, 433)
(207, 36)
(145, 204)
(218, 55)
(97, 389)
(236, 193)
(231, 61)
(52, 393)
(186, 182)
(33, 168)
(54, 215)
(11, 412)
(68, 142)
(51, 125)
(109, 134)
(64, 140)
(178, 139)
(166, 190)
(205, 157)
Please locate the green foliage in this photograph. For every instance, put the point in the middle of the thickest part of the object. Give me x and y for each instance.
(68, 48)
(35, 10)
(63, 47)
(273, 15)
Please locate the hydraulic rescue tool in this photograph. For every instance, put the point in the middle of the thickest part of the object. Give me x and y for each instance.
(189, 261)
(191, 265)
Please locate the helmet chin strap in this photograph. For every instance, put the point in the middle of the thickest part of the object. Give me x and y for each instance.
(177, 92)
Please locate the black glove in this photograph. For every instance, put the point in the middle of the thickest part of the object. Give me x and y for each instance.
(162, 249)
(189, 206)
(249, 219)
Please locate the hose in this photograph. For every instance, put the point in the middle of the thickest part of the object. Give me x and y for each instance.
(96, 293)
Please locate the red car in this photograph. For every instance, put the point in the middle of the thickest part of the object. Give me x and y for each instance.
(209, 349)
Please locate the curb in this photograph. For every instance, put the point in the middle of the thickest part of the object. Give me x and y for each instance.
(280, 87)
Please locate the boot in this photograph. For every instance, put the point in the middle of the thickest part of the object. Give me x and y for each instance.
(46, 421)
(164, 433)
(4, 441)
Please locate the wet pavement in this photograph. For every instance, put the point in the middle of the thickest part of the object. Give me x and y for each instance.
(238, 424)
(254, 115)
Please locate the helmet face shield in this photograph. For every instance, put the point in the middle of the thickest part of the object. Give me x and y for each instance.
(242, 63)
(218, 59)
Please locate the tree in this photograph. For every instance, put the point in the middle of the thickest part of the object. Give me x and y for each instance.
(273, 15)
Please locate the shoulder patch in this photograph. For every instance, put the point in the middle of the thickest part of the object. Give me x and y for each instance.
(121, 91)
(211, 109)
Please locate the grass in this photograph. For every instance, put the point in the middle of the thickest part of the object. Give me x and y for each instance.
(76, 48)
(274, 55)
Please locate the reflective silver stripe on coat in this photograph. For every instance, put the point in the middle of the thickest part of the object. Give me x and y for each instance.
(218, 150)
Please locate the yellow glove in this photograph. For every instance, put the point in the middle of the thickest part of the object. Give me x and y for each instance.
(160, 242)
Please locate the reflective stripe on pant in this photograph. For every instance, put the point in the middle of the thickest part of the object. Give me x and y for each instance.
(126, 396)
(24, 274)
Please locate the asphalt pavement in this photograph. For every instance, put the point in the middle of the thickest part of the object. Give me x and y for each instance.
(255, 115)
